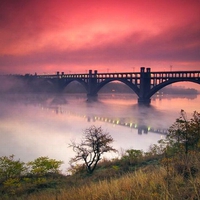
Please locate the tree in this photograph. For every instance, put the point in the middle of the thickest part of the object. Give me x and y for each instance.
(185, 134)
(133, 156)
(44, 165)
(183, 145)
(10, 168)
(95, 143)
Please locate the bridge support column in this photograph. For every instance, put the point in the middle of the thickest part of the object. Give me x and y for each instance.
(91, 98)
(145, 85)
(92, 84)
(144, 101)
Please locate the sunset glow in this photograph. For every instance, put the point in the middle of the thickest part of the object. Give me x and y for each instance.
(75, 36)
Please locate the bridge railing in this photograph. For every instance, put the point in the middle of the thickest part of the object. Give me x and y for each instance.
(64, 76)
(75, 76)
(47, 76)
(176, 74)
(118, 75)
(160, 77)
(121, 75)
(97, 75)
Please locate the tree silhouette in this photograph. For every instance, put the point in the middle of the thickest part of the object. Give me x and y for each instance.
(90, 150)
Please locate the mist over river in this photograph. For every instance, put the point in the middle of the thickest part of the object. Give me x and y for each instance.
(35, 125)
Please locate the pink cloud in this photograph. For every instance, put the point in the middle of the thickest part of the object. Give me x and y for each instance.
(37, 34)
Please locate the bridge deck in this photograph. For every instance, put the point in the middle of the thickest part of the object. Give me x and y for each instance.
(168, 74)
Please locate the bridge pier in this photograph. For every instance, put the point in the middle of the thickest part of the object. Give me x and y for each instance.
(145, 85)
(91, 98)
(146, 102)
(92, 84)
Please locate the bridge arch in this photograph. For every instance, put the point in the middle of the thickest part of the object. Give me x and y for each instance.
(65, 83)
(128, 83)
(168, 82)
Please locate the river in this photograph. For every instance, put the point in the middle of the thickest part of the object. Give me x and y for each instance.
(35, 125)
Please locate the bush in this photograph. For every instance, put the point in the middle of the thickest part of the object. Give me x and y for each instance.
(10, 168)
(44, 165)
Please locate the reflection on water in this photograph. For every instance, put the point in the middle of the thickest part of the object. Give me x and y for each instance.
(134, 122)
(43, 125)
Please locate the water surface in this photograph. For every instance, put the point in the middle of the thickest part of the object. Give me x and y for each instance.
(43, 125)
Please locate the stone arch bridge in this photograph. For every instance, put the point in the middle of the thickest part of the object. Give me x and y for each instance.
(144, 83)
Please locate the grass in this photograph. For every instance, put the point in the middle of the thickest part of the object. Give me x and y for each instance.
(149, 178)
(151, 184)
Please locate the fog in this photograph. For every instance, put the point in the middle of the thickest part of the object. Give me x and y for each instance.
(35, 125)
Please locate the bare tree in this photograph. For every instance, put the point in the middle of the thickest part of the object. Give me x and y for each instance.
(94, 144)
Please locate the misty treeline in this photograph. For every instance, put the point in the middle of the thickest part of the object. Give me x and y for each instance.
(25, 84)
(29, 83)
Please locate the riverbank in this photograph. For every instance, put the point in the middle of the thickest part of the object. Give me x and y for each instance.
(151, 176)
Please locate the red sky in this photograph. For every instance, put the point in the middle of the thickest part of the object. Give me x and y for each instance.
(46, 36)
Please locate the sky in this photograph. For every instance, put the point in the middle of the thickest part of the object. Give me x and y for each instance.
(73, 36)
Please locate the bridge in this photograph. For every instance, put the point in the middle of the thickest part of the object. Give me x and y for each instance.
(144, 83)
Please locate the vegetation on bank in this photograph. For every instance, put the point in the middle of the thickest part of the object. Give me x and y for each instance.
(169, 170)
